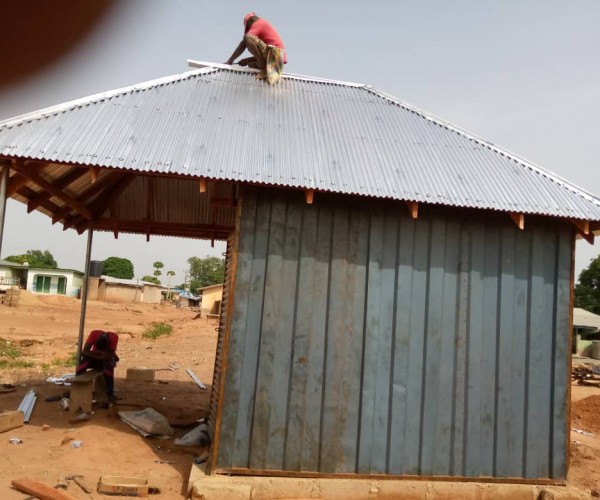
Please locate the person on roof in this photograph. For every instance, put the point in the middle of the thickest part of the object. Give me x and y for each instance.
(100, 353)
(264, 43)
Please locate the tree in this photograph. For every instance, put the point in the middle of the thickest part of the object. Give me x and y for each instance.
(206, 272)
(587, 291)
(157, 270)
(117, 267)
(35, 258)
(170, 274)
(151, 279)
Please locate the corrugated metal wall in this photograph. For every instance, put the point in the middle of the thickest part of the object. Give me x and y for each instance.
(217, 384)
(363, 341)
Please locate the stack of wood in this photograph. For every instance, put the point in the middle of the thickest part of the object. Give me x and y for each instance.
(11, 298)
(586, 374)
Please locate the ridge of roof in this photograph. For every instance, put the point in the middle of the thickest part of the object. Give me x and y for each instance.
(292, 76)
(491, 146)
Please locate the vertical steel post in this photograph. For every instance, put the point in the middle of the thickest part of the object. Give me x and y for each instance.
(84, 291)
(4, 170)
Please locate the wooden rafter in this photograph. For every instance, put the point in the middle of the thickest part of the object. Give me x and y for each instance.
(413, 209)
(92, 191)
(15, 183)
(99, 206)
(309, 194)
(583, 226)
(146, 228)
(518, 219)
(61, 183)
(36, 178)
(94, 173)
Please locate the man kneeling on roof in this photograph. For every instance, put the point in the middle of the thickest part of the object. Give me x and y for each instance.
(100, 353)
(264, 43)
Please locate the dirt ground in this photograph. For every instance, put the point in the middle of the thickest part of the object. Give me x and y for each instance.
(44, 329)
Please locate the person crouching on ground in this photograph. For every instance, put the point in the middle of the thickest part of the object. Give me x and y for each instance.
(100, 353)
(260, 37)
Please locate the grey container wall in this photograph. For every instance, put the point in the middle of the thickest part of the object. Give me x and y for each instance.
(365, 342)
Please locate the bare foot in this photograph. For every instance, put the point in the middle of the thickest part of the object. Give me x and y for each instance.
(261, 75)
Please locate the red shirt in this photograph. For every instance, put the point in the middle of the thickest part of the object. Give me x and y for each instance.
(265, 31)
(113, 339)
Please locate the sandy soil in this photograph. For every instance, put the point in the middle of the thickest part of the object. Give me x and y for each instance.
(45, 329)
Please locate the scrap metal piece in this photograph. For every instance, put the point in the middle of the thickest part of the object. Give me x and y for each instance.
(195, 378)
(27, 405)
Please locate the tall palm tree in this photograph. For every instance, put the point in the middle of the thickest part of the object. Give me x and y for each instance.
(170, 274)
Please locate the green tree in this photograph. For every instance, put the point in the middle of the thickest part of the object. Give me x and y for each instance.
(158, 265)
(587, 291)
(170, 274)
(151, 279)
(35, 258)
(117, 267)
(205, 272)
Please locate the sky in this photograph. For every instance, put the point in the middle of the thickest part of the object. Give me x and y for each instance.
(524, 76)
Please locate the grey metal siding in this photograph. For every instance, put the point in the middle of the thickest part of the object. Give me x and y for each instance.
(363, 341)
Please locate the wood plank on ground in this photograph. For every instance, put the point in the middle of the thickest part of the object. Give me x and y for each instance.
(10, 420)
(40, 490)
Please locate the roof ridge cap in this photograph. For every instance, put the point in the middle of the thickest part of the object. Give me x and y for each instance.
(242, 69)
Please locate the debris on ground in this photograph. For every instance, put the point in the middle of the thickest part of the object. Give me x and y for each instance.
(196, 437)
(148, 422)
(195, 379)
(123, 485)
(78, 479)
(586, 374)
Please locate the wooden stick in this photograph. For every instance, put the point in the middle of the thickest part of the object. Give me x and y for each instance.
(40, 490)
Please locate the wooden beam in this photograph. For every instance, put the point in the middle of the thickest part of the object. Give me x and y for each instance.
(518, 219)
(589, 237)
(105, 182)
(101, 203)
(57, 193)
(40, 490)
(94, 173)
(15, 183)
(61, 183)
(10, 420)
(582, 226)
(413, 209)
(142, 226)
(203, 185)
(223, 202)
(309, 194)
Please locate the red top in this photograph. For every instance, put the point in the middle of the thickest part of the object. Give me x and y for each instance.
(113, 339)
(265, 31)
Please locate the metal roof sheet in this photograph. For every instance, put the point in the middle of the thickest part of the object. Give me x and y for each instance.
(221, 123)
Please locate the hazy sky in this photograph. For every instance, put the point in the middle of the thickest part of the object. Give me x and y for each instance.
(522, 75)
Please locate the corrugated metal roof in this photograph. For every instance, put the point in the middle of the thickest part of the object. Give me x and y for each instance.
(308, 133)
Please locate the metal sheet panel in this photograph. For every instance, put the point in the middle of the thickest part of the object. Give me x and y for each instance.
(220, 123)
(363, 341)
